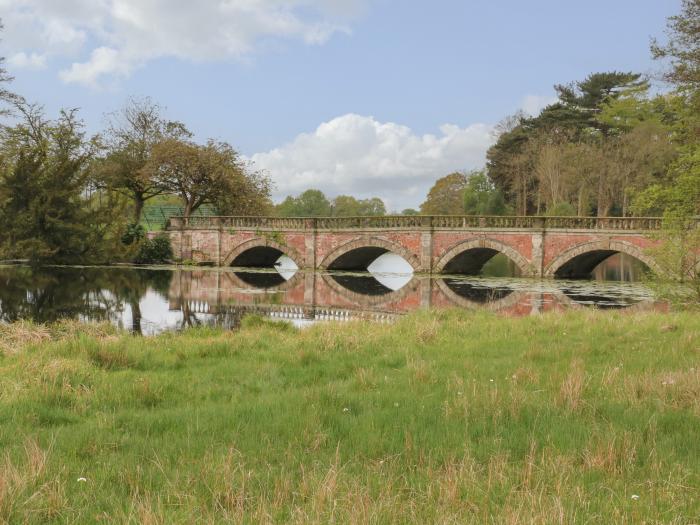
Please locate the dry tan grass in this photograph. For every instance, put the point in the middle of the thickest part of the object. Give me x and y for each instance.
(15, 337)
(25, 488)
(572, 387)
(678, 389)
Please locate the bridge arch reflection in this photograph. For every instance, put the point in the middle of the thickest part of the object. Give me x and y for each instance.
(355, 290)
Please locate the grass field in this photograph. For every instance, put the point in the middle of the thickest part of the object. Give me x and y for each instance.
(443, 417)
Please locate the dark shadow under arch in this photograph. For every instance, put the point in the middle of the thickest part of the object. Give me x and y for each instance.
(469, 257)
(359, 254)
(578, 262)
(259, 253)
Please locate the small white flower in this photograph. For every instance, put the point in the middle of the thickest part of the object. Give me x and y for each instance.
(346, 409)
(635, 497)
(82, 480)
(491, 380)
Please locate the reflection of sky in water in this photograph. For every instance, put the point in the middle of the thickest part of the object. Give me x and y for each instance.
(286, 267)
(156, 315)
(392, 270)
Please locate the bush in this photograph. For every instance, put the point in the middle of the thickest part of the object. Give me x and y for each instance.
(134, 233)
(155, 251)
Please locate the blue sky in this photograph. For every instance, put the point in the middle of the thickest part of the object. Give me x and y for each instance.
(370, 97)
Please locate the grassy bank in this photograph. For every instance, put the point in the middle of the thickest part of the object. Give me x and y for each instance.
(447, 417)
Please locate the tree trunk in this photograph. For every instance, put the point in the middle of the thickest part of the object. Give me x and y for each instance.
(138, 208)
(188, 209)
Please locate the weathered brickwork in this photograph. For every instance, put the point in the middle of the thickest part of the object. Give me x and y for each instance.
(428, 244)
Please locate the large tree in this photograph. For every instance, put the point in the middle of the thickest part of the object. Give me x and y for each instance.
(682, 48)
(546, 161)
(45, 211)
(481, 197)
(197, 174)
(131, 135)
(249, 195)
(446, 196)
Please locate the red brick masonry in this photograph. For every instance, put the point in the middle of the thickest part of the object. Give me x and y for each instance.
(538, 245)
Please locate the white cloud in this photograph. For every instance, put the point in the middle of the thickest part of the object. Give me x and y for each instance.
(23, 60)
(359, 155)
(103, 60)
(113, 37)
(533, 104)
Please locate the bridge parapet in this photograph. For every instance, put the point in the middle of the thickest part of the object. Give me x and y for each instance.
(402, 222)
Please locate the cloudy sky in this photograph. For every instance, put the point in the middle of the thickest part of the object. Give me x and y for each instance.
(367, 97)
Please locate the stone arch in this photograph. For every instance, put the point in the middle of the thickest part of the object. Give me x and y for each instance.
(373, 247)
(262, 242)
(599, 251)
(372, 301)
(488, 246)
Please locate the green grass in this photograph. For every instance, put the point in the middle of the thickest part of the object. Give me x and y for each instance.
(443, 417)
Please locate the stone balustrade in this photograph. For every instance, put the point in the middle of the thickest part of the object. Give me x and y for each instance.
(412, 222)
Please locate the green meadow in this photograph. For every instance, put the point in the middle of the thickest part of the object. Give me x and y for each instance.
(441, 417)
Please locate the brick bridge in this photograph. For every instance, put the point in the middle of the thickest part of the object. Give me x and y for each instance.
(568, 247)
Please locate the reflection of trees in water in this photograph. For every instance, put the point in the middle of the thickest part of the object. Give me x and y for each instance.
(95, 294)
(620, 267)
(481, 294)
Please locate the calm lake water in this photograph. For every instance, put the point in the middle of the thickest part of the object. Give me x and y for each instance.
(150, 301)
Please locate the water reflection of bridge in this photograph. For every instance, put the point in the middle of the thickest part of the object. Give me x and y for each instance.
(308, 296)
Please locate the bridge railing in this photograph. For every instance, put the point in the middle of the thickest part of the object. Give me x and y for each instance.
(388, 222)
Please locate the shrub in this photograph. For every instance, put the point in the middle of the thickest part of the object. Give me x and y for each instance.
(155, 251)
(134, 233)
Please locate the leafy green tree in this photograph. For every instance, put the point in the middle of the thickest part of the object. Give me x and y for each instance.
(45, 214)
(526, 163)
(131, 135)
(682, 48)
(410, 211)
(372, 207)
(311, 203)
(446, 196)
(481, 197)
(198, 174)
(345, 206)
(348, 206)
(250, 196)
